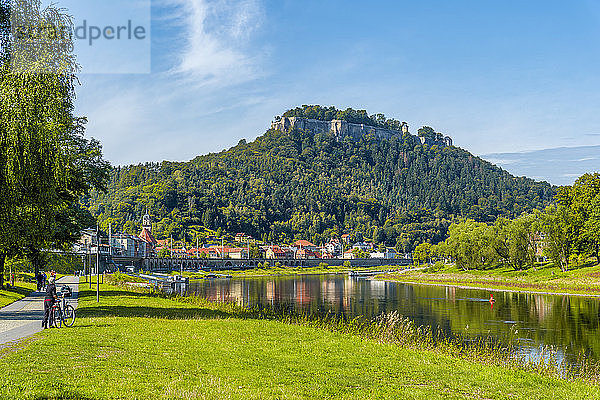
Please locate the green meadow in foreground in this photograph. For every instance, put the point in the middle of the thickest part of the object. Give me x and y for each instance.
(135, 345)
(584, 280)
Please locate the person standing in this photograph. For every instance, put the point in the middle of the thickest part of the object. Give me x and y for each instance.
(49, 300)
(39, 278)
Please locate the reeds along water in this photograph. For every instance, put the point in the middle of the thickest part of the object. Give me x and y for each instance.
(393, 328)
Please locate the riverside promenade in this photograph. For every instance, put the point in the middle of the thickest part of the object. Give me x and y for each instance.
(23, 318)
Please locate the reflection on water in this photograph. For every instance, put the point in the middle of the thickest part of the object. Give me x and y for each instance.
(570, 324)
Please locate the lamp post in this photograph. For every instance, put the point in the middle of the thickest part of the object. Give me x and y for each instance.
(89, 261)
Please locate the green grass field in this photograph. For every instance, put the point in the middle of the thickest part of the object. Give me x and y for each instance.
(21, 289)
(583, 280)
(135, 346)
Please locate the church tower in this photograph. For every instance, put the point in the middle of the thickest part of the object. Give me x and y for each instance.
(146, 222)
(146, 235)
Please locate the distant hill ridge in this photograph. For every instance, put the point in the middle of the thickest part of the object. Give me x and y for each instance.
(301, 181)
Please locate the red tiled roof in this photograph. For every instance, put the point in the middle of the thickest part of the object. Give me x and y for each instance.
(201, 250)
(304, 243)
(277, 249)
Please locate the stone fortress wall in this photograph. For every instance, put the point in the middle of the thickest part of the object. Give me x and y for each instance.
(342, 129)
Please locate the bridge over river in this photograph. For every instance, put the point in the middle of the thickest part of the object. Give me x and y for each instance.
(168, 264)
(156, 264)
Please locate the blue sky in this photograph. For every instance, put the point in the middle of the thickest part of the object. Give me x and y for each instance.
(498, 77)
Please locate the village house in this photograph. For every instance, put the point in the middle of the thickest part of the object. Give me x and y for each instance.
(387, 254)
(305, 244)
(349, 255)
(237, 253)
(275, 252)
(326, 254)
(279, 252)
(204, 252)
(334, 247)
(92, 242)
(179, 253)
(243, 238)
(306, 254)
(126, 245)
(363, 246)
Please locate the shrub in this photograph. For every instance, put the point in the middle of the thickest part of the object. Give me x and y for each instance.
(438, 266)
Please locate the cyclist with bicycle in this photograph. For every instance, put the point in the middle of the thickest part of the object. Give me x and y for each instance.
(49, 300)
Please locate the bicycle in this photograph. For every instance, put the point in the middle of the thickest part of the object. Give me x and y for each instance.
(62, 311)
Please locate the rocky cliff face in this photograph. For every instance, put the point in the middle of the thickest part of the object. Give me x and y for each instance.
(342, 129)
(339, 128)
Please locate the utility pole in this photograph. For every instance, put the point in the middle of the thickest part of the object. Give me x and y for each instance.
(98, 264)
(222, 254)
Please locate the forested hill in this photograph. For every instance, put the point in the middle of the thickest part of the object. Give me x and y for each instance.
(298, 184)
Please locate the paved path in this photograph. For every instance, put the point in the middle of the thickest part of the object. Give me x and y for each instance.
(23, 318)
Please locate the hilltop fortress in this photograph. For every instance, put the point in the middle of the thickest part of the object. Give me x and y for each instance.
(342, 129)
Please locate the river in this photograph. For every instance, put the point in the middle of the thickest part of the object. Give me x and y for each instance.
(570, 324)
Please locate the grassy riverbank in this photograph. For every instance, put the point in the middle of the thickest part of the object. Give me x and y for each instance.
(583, 280)
(20, 290)
(133, 345)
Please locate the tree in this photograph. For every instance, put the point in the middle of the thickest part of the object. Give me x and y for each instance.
(47, 164)
(554, 223)
(522, 244)
(423, 253)
(470, 244)
(582, 200)
(255, 251)
(513, 241)
(359, 253)
(592, 227)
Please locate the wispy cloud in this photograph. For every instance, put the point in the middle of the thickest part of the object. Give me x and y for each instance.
(217, 36)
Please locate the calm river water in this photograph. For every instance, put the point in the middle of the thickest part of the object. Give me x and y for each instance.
(568, 323)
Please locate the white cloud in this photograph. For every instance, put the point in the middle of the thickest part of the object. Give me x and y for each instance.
(217, 37)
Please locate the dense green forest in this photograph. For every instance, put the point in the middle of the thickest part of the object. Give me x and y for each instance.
(287, 185)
